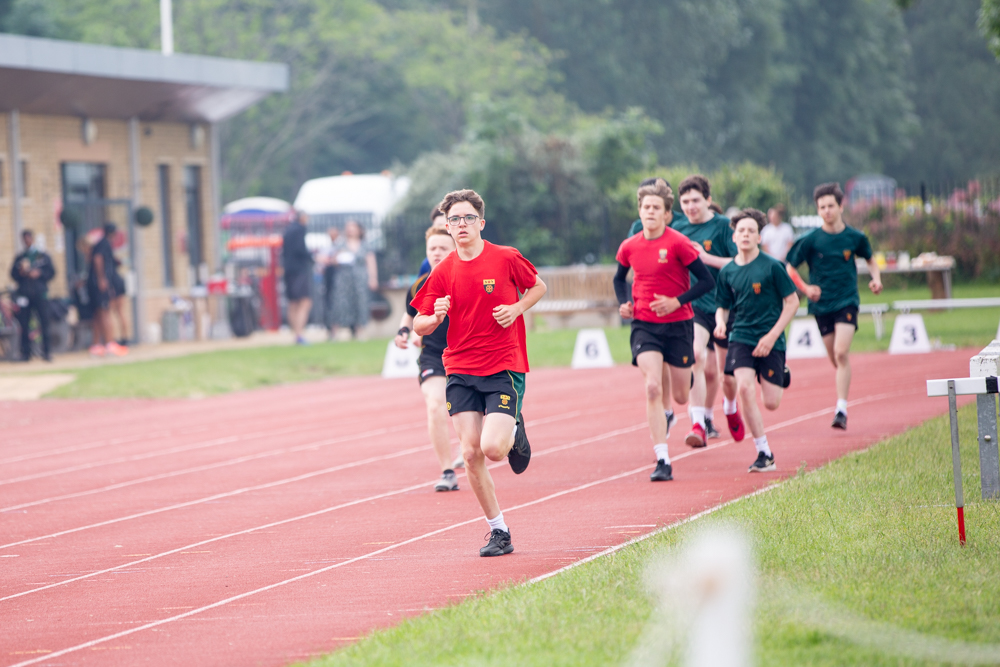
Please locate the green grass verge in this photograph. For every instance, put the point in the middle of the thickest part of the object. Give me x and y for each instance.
(870, 538)
(234, 370)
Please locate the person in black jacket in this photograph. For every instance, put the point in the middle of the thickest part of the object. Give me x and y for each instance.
(298, 264)
(32, 272)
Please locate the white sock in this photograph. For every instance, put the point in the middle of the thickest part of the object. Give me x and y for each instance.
(728, 407)
(497, 523)
(668, 413)
(698, 416)
(841, 405)
(710, 414)
(661, 453)
(761, 445)
(513, 432)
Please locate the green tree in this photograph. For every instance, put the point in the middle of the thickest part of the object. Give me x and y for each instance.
(989, 24)
(957, 94)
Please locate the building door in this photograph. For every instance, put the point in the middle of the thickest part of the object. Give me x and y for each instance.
(83, 186)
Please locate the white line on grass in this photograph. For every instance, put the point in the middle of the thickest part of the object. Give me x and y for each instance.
(418, 538)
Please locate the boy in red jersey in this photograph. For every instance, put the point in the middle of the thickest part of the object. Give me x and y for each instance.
(662, 325)
(477, 288)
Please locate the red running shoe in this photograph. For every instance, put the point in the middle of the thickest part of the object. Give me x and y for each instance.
(696, 438)
(736, 425)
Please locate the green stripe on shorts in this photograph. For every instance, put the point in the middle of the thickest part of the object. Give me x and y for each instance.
(517, 386)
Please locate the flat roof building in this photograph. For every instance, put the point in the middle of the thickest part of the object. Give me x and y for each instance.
(91, 133)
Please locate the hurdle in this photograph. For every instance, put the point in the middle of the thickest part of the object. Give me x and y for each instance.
(982, 383)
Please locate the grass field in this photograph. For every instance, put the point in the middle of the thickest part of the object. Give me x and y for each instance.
(858, 564)
(235, 370)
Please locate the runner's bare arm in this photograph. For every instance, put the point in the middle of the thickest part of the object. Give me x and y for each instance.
(721, 317)
(712, 260)
(875, 284)
(506, 315)
(402, 338)
(424, 325)
(788, 308)
(812, 292)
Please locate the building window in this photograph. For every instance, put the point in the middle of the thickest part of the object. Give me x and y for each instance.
(192, 205)
(24, 179)
(168, 228)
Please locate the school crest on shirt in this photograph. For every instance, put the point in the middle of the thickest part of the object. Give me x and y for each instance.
(756, 288)
(488, 285)
(663, 255)
(847, 255)
(708, 245)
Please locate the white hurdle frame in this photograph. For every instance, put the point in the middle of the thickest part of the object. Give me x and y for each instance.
(984, 386)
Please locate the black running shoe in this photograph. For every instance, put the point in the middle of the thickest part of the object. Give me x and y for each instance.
(663, 472)
(671, 418)
(710, 430)
(786, 378)
(764, 463)
(499, 544)
(520, 454)
(840, 421)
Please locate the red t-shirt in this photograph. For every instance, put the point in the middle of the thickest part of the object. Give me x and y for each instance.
(477, 344)
(661, 267)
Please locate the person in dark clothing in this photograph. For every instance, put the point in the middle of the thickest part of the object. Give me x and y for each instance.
(32, 272)
(101, 293)
(298, 265)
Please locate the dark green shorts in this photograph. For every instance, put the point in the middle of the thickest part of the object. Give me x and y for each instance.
(501, 392)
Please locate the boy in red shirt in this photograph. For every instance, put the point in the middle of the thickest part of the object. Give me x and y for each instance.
(662, 324)
(477, 288)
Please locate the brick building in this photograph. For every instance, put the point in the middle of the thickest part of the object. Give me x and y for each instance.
(92, 133)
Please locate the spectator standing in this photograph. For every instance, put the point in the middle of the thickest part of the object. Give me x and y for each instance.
(298, 264)
(32, 272)
(356, 276)
(328, 259)
(101, 293)
(777, 236)
(118, 285)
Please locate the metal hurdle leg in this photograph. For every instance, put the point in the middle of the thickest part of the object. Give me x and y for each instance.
(989, 456)
(956, 461)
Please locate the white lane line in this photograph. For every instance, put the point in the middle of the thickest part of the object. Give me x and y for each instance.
(392, 547)
(210, 466)
(85, 447)
(387, 494)
(236, 461)
(267, 485)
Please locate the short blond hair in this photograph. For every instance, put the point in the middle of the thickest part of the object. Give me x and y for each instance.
(658, 188)
(437, 231)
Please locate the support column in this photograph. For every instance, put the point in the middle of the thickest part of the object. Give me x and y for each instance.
(216, 209)
(16, 187)
(135, 251)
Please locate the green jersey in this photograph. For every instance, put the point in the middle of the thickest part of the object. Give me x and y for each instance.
(831, 266)
(756, 291)
(716, 238)
(637, 225)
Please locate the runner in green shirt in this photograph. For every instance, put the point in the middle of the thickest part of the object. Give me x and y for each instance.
(711, 233)
(830, 252)
(760, 290)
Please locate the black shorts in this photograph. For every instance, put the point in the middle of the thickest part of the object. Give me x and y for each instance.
(708, 322)
(674, 340)
(828, 321)
(770, 368)
(100, 299)
(431, 365)
(298, 285)
(117, 285)
(501, 392)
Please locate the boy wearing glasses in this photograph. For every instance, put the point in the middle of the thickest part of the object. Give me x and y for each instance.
(476, 288)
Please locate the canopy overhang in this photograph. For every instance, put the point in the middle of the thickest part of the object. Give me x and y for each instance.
(52, 77)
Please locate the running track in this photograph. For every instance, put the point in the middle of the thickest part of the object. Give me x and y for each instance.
(266, 527)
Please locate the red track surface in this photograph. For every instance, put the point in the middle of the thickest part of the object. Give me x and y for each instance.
(265, 527)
